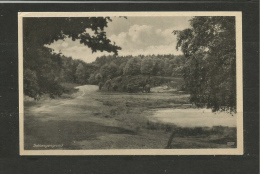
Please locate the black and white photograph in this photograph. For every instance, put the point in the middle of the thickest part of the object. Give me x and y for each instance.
(130, 83)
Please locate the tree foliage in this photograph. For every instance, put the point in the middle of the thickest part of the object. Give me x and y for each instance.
(80, 74)
(158, 67)
(46, 65)
(147, 66)
(41, 31)
(132, 66)
(109, 67)
(30, 83)
(209, 71)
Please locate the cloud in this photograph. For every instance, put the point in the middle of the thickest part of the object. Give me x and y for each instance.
(139, 39)
(64, 44)
(90, 32)
(139, 33)
(76, 50)
(135, 35)
(160, 49)
(119, 25)
(82, 52)
(145, 39)
(120, 39)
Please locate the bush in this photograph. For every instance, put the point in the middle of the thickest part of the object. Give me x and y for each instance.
(31, 87)
(92, 79)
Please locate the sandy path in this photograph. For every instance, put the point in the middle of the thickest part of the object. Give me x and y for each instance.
(79, 123)
(76, 109)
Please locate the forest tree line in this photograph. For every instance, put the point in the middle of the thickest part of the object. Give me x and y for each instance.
(66, 69)
(208, 65)
(110, 67)
(43, 67)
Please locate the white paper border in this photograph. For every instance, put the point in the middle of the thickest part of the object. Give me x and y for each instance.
(239, 80)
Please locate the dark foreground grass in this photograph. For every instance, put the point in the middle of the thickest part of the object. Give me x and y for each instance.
(132, 109)
(154, 135)
(203, 137)
(65, 133)
(196, 137)
(116, 120)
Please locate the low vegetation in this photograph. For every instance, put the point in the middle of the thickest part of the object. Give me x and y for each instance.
(119, 120)
(129, 87)
(208, 63)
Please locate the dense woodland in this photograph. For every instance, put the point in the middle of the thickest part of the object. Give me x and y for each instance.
(110, 67)
(209, 71)
(208, 65)
(106, 68)
(42, 67)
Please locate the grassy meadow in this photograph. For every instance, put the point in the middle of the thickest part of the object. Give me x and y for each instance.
(116, 120)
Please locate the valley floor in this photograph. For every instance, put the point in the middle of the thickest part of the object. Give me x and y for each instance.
(93, 119)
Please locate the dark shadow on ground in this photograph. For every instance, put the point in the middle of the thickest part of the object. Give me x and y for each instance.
(57, 132)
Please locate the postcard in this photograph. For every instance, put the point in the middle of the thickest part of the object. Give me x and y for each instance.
(130, 83)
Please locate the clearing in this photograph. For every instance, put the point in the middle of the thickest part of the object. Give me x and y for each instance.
(93, 119)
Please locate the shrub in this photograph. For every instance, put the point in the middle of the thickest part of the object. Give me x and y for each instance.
(31, 87)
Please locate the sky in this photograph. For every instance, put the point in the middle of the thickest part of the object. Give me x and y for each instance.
(135, 35)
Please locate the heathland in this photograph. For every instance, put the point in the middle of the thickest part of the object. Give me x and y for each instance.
(116, 95)
(99, 119)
